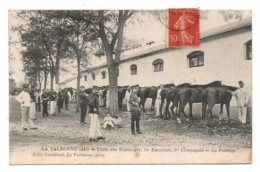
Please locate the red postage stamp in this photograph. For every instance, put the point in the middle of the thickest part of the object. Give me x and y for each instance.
(183, 27)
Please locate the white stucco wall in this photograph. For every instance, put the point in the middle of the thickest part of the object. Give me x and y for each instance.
(224, 59)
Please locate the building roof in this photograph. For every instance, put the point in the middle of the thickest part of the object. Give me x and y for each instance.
(206, 34)
(227, 27)
(68, 80)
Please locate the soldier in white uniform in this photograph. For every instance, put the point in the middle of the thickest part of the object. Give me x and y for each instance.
(242, 96)
(25, 99)
(127, 97)
(158, 101)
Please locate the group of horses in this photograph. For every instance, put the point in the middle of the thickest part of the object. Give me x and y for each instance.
(186, 93)
(208, 94)
(178, 96)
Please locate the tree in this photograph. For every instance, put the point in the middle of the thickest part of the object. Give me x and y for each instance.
(35, 66)
(50, 35)
(111, 28)
(229, 15)
(81, 34)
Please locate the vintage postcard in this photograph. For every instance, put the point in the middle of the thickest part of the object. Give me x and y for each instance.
(130, 86)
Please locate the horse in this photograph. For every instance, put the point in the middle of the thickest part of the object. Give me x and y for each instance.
(170, 96)
(121, 95)
(192, 94)
(147, 92)
(217, 95)
(150, 92)
(164, 91)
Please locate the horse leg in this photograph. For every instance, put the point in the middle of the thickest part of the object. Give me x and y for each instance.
(204, 111)
(227, 108)
(153, 103)
(120, 105)
(209, 110)
(172, 110)
(143, 103)
(221, 112)
(182, 105)
(167, 109)
(176, 105)
(204, 108)
(161, 107)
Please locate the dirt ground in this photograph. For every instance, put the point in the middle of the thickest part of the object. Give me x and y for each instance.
(65, 129)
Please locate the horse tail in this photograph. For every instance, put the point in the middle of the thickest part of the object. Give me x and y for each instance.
(204, 93)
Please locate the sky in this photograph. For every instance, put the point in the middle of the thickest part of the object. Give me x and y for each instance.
(148, 29)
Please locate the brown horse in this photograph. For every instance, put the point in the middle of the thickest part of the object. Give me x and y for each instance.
(217, 95)
(170, 96)
(166, 87)
(147, 92)
(121, 95)
(192, 94)
(150, 92)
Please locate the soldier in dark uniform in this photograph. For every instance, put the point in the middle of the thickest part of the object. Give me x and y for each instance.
(45, 99)
(32, 110)
(38, 100)
(83, 104)
(60, 100)
(135, 111)
(66, 99)
(32, 95)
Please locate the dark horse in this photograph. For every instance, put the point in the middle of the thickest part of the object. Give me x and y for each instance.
(170, 96)
(217, 95)
(70, 89)
(150, 92)
(121, 95)
(192, 94)
(147, 92)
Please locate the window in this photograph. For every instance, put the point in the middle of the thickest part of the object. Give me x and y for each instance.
(117, 71)
(158, 65)
(93, 76)
(103, 75)
(196, 59)
(133, 69)
(248, 45)
(85, 77)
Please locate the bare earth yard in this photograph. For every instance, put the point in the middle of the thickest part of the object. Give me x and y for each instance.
(65, 129)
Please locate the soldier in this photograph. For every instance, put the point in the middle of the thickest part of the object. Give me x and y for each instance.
(93, 111)
(127, 96)
(25, 100)
(60, 100)
(83, 104)
(32, 109)
(158, 100)
(52, 99)
(135, 111)
(66, 99)
(242, 97)
(100, 96)
(38, 100)
(45, 99)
